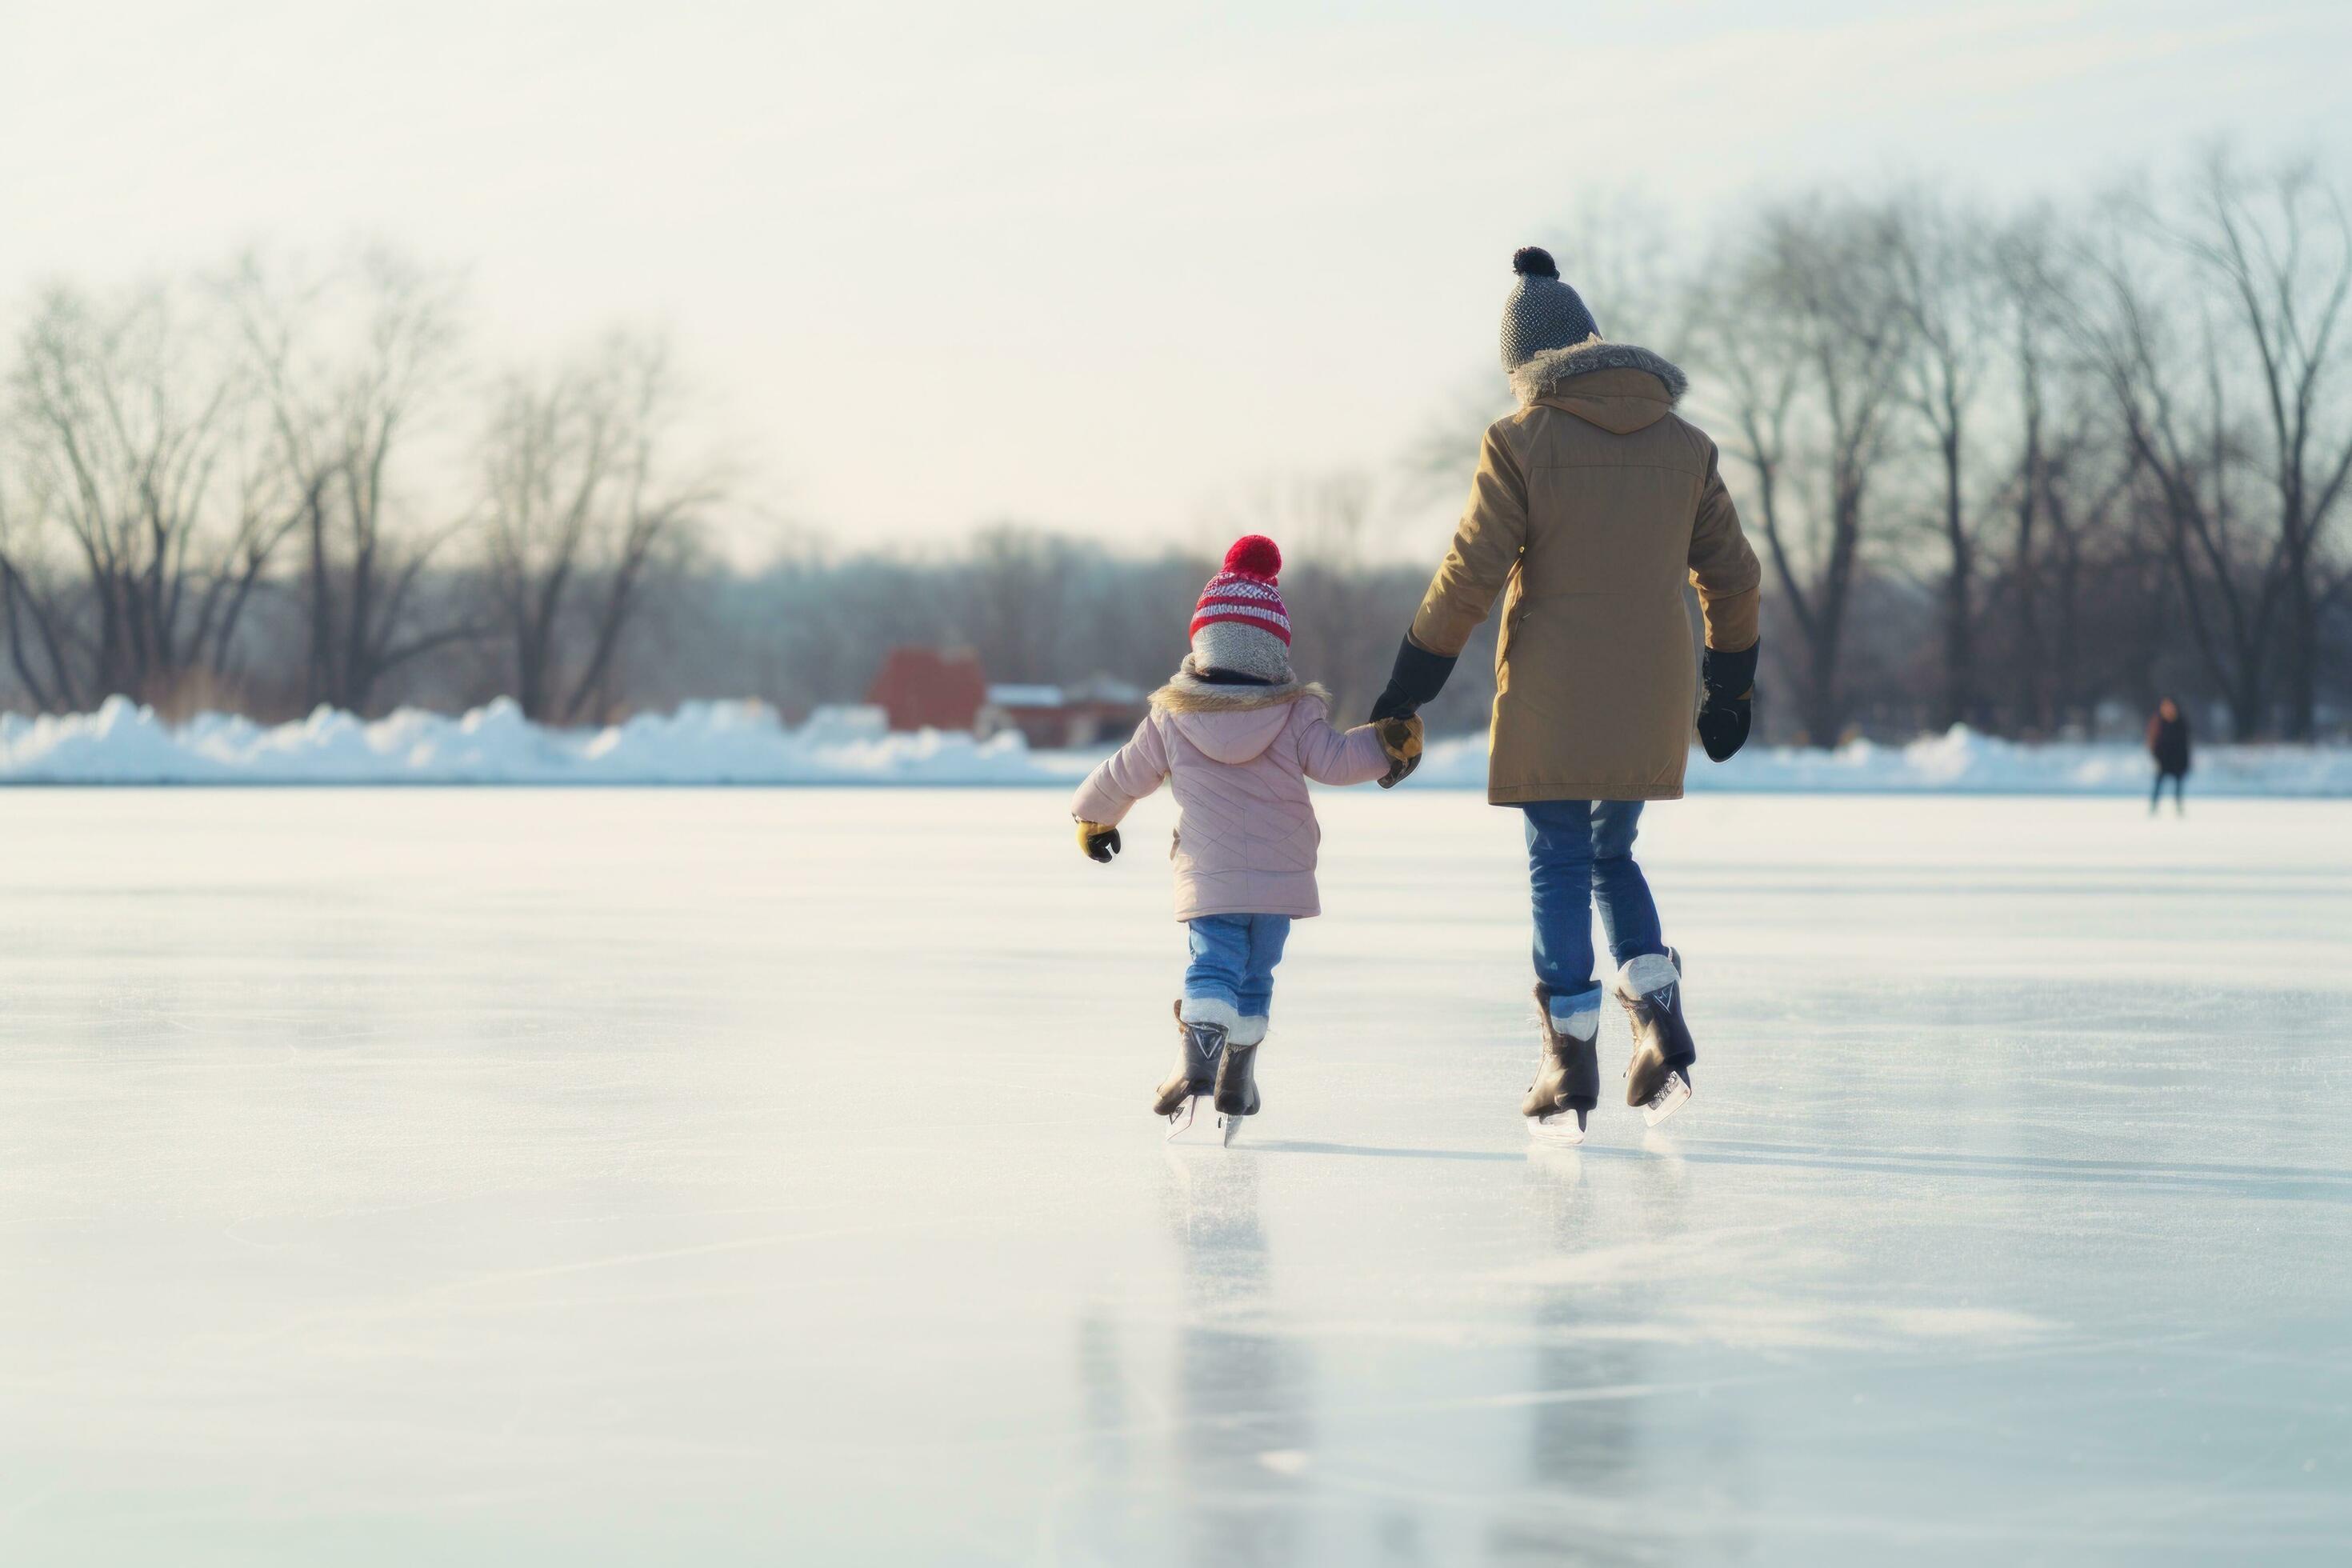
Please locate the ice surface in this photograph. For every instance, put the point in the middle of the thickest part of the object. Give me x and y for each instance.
(768, 1176)
(745, 743)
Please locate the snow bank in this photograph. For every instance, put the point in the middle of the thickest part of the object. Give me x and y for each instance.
(702, 742)
(744, 743)
(1965, 763)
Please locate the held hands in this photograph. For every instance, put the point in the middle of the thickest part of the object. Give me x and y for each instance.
(1098, 842)
(1419, 676)
(1400, 739)
(1724, 716)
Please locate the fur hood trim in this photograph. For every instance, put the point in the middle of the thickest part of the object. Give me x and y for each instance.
(1544, 372)
(1186, 692)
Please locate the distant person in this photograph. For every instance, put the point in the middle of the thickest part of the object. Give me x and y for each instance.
(2168, 742)
(1239, 737)
(1591, 505)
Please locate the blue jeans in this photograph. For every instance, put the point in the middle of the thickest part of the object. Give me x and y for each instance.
(1232, 961)
(1580, 853)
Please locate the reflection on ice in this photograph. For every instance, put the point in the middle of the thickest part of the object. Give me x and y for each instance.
(1242, 1394)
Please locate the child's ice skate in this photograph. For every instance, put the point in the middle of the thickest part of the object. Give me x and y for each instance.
(1657, 1077)
(1237, 1094)
(1200, 1052)
(1568, 1078)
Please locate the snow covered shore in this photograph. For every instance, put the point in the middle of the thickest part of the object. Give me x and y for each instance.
(702, 742)
(744, 744)
(1965, 762)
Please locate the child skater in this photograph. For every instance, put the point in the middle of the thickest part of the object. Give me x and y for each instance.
(1239, 736)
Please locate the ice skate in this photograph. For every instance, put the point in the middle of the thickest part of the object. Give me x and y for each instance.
(1657, 1077)
(1568, 1077)
(1200, 1051)
(1237, 1094)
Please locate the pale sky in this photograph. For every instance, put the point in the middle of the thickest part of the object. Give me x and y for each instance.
(1092, 265)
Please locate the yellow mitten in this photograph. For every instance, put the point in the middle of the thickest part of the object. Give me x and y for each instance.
(1098, 842)
(1400, 739)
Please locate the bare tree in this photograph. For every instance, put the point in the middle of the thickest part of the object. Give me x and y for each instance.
(132, 434)
(348, 365)
(1022, 589)
(2068, 473)
(2026, 275)
(2279, 247)
(1807, 342)
(583, 496)
(2153, 338)
(1943, 289)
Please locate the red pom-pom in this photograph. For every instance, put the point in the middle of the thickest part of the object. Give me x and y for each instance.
(1253, 555)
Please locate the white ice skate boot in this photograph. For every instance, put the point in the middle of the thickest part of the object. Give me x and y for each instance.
(1237, 1094)
(1568, 1076)
(1657, 1077)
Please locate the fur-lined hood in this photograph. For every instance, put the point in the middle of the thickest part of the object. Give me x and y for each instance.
(1545, 372)
(1230, 724)
(1186, 692)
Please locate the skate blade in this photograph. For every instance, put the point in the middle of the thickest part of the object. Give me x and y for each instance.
(1196, 1124)
(1559, 1128)
(1669, 1098)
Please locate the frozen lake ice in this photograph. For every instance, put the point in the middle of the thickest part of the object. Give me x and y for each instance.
(755, 1176)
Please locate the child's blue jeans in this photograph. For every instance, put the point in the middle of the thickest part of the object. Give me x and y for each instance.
(1232, 965)
(1580, 854)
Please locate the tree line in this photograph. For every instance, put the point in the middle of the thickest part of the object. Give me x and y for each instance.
(2041, 459)
(2023, 468)
(238, 491)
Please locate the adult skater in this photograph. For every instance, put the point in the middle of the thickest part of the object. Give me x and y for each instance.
(2168, 742)
(1591, 503)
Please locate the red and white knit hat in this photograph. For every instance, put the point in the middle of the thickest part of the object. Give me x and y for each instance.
(1240, 624)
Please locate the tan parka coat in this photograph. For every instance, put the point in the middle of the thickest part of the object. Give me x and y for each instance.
(1591, 505)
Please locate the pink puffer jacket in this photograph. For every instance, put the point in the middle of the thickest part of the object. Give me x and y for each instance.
(1240, 757)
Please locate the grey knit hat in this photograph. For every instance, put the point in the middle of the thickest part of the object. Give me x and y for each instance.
(1540, 311)
(1240, 624)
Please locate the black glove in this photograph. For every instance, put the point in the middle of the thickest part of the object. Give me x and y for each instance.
(1724, 716)
(1098, 842)
(1419, 676)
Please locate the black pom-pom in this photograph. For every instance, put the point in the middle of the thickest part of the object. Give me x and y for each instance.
(1533, 261)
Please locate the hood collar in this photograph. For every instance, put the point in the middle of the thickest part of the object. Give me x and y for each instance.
(1186, 692)
(1546, 370)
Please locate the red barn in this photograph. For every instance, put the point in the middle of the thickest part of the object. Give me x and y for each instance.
(923, 689)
